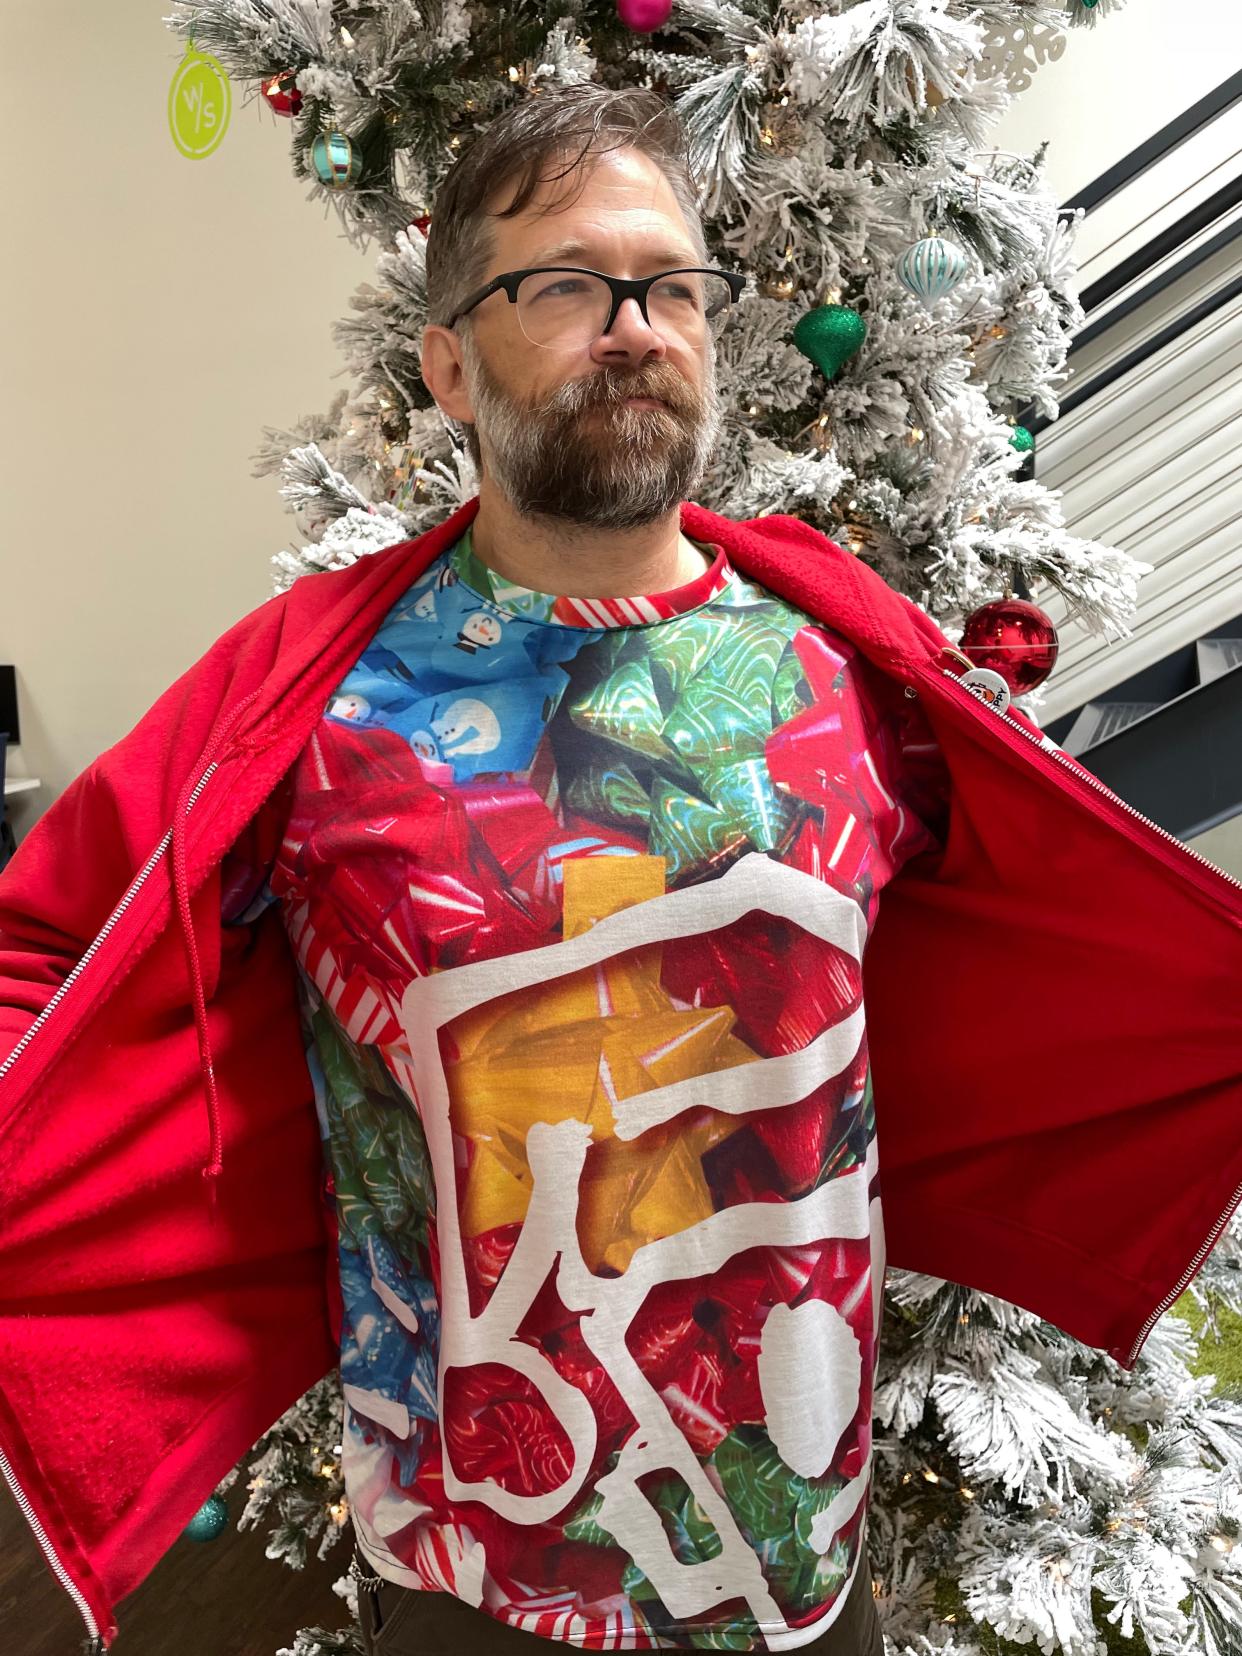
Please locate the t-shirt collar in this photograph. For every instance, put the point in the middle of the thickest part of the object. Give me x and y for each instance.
(560, 610)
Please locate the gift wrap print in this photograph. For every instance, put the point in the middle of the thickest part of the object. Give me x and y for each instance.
(579, 891)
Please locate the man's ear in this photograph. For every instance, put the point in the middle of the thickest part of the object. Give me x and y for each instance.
(443, 372)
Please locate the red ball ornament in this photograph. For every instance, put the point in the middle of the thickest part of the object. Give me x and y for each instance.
(1015, 639)
(281, 92)
(422, 225)
(644, 16)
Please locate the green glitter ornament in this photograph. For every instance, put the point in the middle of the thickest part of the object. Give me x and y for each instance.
(208, 1521)
(1022, 439)
(829, 336)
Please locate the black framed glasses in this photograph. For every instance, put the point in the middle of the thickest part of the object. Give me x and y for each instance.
(564, 306)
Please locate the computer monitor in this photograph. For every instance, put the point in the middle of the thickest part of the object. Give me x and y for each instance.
(8, 705)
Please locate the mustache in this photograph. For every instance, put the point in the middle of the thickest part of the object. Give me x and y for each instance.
(608, 390)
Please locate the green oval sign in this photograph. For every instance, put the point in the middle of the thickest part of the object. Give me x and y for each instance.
(199, 103)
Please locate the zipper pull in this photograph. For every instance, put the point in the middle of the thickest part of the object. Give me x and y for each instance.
(988, 686)
(956, 660)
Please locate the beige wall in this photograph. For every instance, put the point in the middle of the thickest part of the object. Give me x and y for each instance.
(161, 311)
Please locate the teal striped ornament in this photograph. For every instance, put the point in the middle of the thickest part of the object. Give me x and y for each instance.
(931, 268)
(336, 160)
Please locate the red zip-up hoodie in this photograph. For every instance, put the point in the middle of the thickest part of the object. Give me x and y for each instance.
(1053, 1026)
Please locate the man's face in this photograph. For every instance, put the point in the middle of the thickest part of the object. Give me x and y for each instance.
(557, 435)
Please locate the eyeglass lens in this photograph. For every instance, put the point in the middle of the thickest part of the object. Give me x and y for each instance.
(564, 307)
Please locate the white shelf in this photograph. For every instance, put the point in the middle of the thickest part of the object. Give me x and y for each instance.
(21, 784)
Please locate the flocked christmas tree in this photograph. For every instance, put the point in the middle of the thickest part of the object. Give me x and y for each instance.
(909, 291)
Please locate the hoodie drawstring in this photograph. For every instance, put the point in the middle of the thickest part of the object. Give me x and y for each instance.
(213, 1168)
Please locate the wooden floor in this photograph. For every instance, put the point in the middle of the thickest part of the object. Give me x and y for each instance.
(209, 1598)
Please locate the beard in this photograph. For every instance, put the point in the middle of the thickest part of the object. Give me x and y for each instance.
(579, 455)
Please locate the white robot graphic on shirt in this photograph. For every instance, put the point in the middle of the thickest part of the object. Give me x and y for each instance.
(804, 1426)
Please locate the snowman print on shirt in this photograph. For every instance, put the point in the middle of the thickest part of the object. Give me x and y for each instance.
(479, 631)
(467, 725)
(352, 707)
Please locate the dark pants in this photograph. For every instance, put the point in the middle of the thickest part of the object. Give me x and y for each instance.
(403, 1621)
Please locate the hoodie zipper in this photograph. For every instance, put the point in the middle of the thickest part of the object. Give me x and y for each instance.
(1184, 850)
(1066, 763)
(40, 1534)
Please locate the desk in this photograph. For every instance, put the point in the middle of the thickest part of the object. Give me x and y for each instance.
(20, 784)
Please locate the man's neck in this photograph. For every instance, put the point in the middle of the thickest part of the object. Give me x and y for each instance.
(581, 562)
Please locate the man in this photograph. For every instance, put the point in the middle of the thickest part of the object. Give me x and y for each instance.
(563, 646)
(543, 851)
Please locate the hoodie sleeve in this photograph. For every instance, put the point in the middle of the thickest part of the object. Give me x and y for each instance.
(55, 894)
(75, 864)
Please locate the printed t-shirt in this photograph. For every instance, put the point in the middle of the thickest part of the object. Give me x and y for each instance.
(578, 891)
